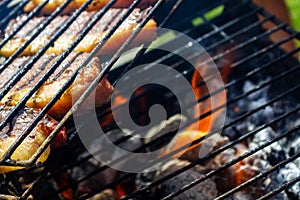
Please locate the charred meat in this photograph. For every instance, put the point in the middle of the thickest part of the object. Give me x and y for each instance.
(89, 42)
(75, 4)
(33, 141)
(48, 90)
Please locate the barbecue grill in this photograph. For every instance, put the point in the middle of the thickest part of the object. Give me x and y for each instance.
(262, 110)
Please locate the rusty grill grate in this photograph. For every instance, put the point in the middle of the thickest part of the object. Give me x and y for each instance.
(236, 37)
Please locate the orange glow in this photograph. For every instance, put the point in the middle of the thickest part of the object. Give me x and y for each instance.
(125, 188)
(203, 126)
(141, 105)
(242, 170)
(64, 181)
(108, 118)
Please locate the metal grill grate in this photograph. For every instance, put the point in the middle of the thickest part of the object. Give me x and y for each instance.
(242, 38)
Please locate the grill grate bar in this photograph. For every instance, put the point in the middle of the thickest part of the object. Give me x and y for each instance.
(171, 12)
(264, 175)
(272, 46)
(216, 152)
(30, 16)
(94, 83)
(282, 75)
(210, 34)
(26, 194)
(110, 185)
(235, 121)
(102, 168)
(32, 37)
(238, 159)
(13, 13)
(4, 3)
(143, 50)
(231, 50)
(217, 57)
(37, 85)
(277, 21)
(280, 189)
(229, 102)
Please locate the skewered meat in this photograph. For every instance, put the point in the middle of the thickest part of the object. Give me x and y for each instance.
(49, 89)
(89, 42)
(75, 4)
(30, 145)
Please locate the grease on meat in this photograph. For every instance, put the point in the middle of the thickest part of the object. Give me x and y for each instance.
(56, 81)
(31, 143)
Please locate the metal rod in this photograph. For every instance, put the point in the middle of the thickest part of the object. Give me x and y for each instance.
(235, 161)
(29, 17)
(212, 154)
(37, 85)
(262, 175)
(32, 37)
(280, 189)
(12, 13)
(216, 152)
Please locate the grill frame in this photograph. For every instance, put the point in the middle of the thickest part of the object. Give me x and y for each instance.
(268, 17)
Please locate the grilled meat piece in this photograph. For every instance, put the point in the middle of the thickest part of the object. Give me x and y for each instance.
(89, 42)
(75, 4)
(49, 89)
(31, 143)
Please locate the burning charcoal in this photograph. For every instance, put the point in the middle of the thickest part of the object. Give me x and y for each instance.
(259, 102)
(287, 173)
(96, 181)
(236, 174)
(262, 116)
(202, 191)
(278, 109)
(234, 132)
(261, 93)
(295, 148)
(249, 86)
(193, 153)
(101, 149)
(243, 195)
(262, 137)
(165, 127)
(105, 195)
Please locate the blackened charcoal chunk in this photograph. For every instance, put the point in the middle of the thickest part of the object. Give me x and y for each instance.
(95, 182)
(288, 173)
(276, 156)
(203, 191)
(243, 195)
(262, 116)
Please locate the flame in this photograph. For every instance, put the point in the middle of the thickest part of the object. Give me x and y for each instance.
(204, 125)
(64, 180)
